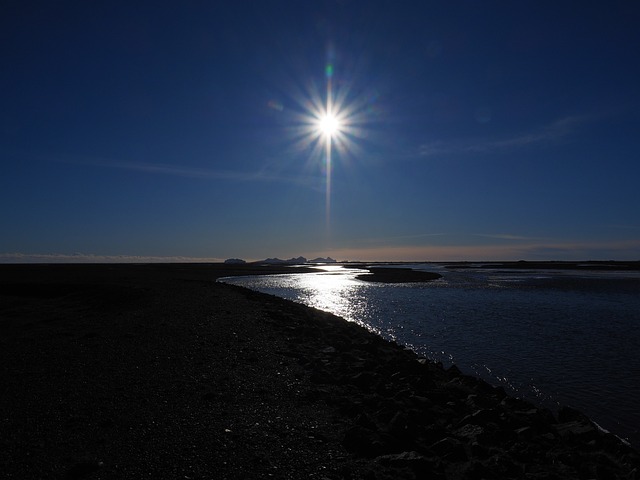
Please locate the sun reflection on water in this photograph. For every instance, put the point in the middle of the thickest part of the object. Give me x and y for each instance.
(336, 290)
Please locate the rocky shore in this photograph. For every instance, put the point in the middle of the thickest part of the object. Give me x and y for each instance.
(157, 371)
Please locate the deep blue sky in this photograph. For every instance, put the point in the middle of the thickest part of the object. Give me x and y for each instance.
(477, 130)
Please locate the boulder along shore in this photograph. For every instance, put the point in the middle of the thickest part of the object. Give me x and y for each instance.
(157, 371)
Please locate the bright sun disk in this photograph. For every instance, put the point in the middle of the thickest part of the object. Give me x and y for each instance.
(329, 124)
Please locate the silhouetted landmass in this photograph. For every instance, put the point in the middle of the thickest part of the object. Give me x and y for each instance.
(157, 371)
(396, 275)
(322, 260)
(278, 261)
(294, 261)
(234, 261)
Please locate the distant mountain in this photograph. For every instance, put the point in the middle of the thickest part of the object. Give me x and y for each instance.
(296, 261)
(234, 261)
(278, 261)
(322, 260)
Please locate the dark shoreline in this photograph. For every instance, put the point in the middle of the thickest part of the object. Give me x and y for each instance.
(121, 371)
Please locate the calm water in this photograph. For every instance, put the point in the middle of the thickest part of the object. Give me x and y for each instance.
(569, 337)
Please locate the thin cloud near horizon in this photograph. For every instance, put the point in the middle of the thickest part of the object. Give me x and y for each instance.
(532, 251)
(506, 236)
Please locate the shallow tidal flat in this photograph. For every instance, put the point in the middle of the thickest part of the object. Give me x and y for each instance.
(156, 371)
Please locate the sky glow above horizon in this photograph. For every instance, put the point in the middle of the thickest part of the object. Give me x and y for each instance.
(463, 131)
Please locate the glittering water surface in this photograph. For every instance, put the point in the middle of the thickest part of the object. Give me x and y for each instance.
(569, 337)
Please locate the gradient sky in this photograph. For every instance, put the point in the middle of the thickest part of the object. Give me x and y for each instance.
(475, 130)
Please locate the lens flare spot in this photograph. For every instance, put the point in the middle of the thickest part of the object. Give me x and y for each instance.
(328, 71)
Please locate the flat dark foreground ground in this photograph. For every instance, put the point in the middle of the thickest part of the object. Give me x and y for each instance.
(156, 371)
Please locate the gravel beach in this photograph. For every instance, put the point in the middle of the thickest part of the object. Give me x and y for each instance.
(157, 371)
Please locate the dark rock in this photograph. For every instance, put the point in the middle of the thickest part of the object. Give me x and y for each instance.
(480, 451)
(504, 435)
(403, 394)
(469, 433)
(402, 431)
(431, 434)
(525, 433)
(450, 449)
(408, 460)
(366, 442)
(477, 471)
(471, 400)
(502, 466)
(568, 414)
(516, 404)
(575, 429)
(480, 417)
(500, 393)
(453, 371)
(364, 380)
(363, 420)
(543, 419)
(420, 402)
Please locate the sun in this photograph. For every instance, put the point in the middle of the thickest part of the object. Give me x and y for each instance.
(329, 120)
(329, 125)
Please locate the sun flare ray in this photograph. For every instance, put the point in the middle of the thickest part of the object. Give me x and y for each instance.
(330, 125)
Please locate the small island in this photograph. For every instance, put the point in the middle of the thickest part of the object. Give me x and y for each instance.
(397, 275)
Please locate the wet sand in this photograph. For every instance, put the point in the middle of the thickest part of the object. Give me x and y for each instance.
(156, 371)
